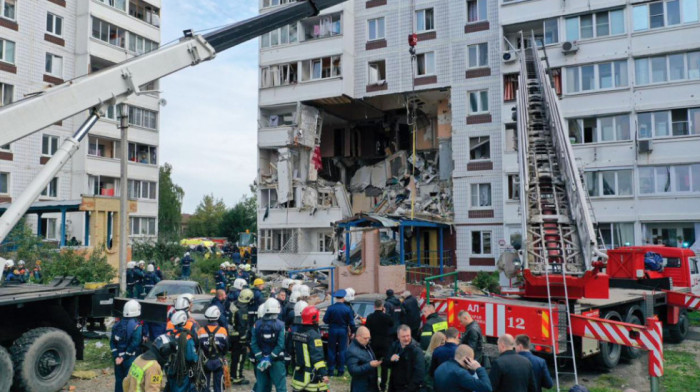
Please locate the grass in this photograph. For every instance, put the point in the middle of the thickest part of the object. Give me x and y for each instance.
(694, 318)
(94, 356)
(681, 372)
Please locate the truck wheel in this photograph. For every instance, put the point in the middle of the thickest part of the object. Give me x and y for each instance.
(630, 353)
(610, 352)
(44, 359)
(5, 370)
(679, 332)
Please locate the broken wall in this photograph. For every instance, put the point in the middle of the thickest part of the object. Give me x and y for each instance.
(371, 277)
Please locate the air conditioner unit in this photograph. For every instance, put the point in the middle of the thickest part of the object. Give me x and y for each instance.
(509, 57)
(644, 146)
(569, 47)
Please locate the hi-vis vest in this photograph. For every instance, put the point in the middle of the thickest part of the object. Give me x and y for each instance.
(137, 373)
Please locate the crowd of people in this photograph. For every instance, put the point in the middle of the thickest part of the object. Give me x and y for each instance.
(20, 273)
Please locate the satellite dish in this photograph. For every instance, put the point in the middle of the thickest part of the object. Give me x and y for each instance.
(509, 263)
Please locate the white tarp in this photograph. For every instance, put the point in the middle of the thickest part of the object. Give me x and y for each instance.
(284, 176)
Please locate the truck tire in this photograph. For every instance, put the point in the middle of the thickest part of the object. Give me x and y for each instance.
(678, 332)
(44, 359)
(609, 352)
(5, 370)
(631, 353)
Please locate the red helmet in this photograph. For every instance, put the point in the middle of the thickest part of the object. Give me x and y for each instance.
(310, 315)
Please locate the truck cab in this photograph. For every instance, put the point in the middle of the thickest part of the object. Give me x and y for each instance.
(678, 264)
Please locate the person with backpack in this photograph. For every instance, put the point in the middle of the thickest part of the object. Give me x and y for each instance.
(294, 327)
(392, 306)
(180, 368)
(185, 264)
(146, 373)
(239, 331)
(267, 346)
(220, 276)
(213, 343)
(130, 279)
(149, 279)
(125, 341)
(138, 279)
(310, 372)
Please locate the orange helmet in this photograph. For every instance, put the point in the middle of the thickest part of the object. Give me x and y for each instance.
(310, 315)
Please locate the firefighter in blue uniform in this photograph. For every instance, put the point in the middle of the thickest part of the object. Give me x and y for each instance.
(130, 279)
(139, 274)
(213, 341)
(293, 327)
(220, 302)
(235, 290)
(267, 347)
(240, 335)
(125, 341)
(149, 279)
(339, 318)
(185, 263)
(22, 272)
(182, 366)
(310, 373)
(220, 276)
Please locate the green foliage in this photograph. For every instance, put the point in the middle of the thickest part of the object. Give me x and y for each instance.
(169, 204)
(96, 356)
(487, 281)
(694, 318)
(207, 218)
(93, 268)
(242, 217)
(23, 244)
(164, 253)
(203, 270)
(681, 372)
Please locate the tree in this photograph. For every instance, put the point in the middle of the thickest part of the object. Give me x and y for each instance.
(206, 220)
(169, 204)
(242, 217)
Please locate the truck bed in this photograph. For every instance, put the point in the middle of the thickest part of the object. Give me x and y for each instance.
(17, 294)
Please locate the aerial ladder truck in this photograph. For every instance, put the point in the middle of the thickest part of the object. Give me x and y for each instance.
(39, 322)
(572, 298)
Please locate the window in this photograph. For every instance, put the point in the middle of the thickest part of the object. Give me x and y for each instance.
(142, 117)
(277, 240)
(104, 148)
(671, 67)
(479, 148)
(118, 4)
(279, 75)
(141, 225)
(425, 63)
(54, 65)
(325, 242)
(513, 187)
(614, 235)
(551, 31)
(274, 3)
(140, 45)
(600, 129)
(478, 102)
(478, 55)
(669, 179)
(143, 153)
(145, 12)
(375, 29)
(9, 8)
(481, 195)
(49, 145)
(510, 86)
(6, 93)
(596, 76)
(599, 24)
(322, 68)
(4, 183)
(139, 189)
(476, 10)
(609, 183)
(103, 186)
(320, 27)
(108, 33)
(7, 51)
(664, 13)
(48, 228)
(282, 36)
(51, 190)
(377, 72)
(481, 242)
(511, 139)
(424, 20)
(54, 24)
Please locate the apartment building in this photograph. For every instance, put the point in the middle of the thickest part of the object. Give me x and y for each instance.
(625, 71)
(46, 42)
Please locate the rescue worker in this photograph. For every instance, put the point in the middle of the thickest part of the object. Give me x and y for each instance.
(184, 303)
(125, 341)
(179, 371)
(149, 280)
(392, 305)
(185, 264)
(159, 273)
(231, 274)
(22, 272)
(310, 373)
(130, 279)
(288, 309)
(9, 273)
(267, 346)
(281, 297)
(251, 274)
(254, 255)
(304, 293)
(258, 286)
(349, 297)
(244, 273)
(433, 323)
(213, 341)
(294, 327)
(219, 301)
(146, 373)
(238, 285)
(286, 283)
(236, 255)
(220, 276)
(139, 274)
(153, 329)
(240, 335)
(339, 318)
(36, 273)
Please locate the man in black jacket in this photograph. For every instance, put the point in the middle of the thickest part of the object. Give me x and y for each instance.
(411, 313)
(362, 363)
(380, 326)
(433, 323)
(392, 307)
(406, 361)
(511, 372)
(472, 336)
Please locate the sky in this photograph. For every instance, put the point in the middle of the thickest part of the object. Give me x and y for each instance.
(208, 127)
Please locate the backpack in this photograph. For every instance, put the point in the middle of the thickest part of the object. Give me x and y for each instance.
(122, 332)
(267, 333)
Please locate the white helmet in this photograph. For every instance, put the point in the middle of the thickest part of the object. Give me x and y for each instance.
(296, 288)
(150, 268)
(179, 318)
(20, 263)
(294, 297)
(9, 263)
(141, 262)
(130, 265)
(299, 307)
(213, 313)
(261, 311)
(182, 302)
(239, 283)
(187, 253)
(132, 309)
(304, 291)
(222, 265)
(272, 306)
(286, 282)
(246, 267)
(349, 294)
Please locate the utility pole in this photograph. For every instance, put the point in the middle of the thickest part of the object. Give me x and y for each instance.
(123, 196)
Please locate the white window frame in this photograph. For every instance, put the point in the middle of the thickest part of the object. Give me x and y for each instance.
(475, 193)
(319, 60)
(613, 227)
(513, 187)
(143, 222)
(137, 188)
(482, 104)
(8, 177)
(51, 224)
(672, 179)
(479, 62)
(596, 77)
(427, 17)
(51, 190)
(325, 241)
(265, 240)
(53, 144)
(482, 235)
(378, 22)
(598, 177)
(375, 77)
(54, 18)
(617, 122)
(481, 10)
(427, 58)
(142, 118)
(479, 142)
(556, 32)
(274, 3)
(140, 45)
(568, 23)
(641, 16)
(7, 92)
(689, 72)
(116, 4)
(109, 26)
(4, 44)
(670, 132)
(14, 9)
(282, 37)
(55, 63)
